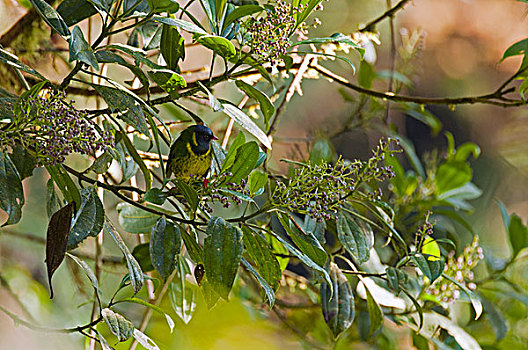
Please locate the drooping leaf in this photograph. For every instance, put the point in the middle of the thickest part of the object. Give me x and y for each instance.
(270, 293)
(165, 244)
(239, 140)
(354, 238)
(473, 297)
(68, 188)
(223, 250)
(51, 17)
(134, 219)
(181, 294)
(179, 23)
(245, 121)
(144, 340)
(496, 319)
(80, 50)
(141, 253)
(375, 313)
(338, 307)
(12, 60)
(432, 269)
(52, 200)
(172, 46)
(266, 106)
(57, 239)
(137, 159)
(195, 250)
(88, 220)
(74, 11)
(245, 161)
(261, 253)
(118, 324)
(11, 191)
(102, 163)
(424, 116)
(306, 242)
(134, 270)
(88, 271)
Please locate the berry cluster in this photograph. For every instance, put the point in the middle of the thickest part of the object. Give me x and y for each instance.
(321, 190)
(224, 192)
(269, 35)
(51, 129)
(460, 269)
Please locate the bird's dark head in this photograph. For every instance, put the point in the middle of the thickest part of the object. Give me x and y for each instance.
(201, 138)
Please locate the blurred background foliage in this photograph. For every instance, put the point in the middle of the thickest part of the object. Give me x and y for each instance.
(460, 46)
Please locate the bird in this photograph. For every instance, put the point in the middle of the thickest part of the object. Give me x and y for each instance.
(191, 154)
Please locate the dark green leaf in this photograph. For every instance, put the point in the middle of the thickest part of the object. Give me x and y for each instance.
(134, 270)
(88, 220)
(128, 166)
(102, 163)
(424, 116)
(140, 57)
(209, 293)
(137, 158)
(74, 11)
(141, 253)
(410, 153)
(218, 44)
(172, 46)
(24, 162)
(67, 186)
(80, 50)
(241, 12)
(11, 191)
(57, 239)
(375, 313)
(247, 123)
(118, 101)
(157, 6)
(156, 196)
(270, 293)
(518, 234)
(52, 201)
(231, 153)
(245, 161)
(519, 48)
(266, 106)
(223, 250)
(165, 244)
(395, 277)
(315, 227)
(134, 219)
(257, 181)
(51, 17)
(306, 242)
(337, 306)
(262, 254)
(195, 250)
(354, 238)
(420, 342)
(451, 175)
(189, 193)
(119, 326)
(432, 268)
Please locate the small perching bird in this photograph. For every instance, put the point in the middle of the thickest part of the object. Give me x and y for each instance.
(191, 154)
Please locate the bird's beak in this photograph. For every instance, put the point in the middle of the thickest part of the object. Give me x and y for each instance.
(215, 138)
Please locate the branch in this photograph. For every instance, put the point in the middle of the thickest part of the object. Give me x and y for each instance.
(369, 27)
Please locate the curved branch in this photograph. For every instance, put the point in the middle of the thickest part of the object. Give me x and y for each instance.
(389, 13)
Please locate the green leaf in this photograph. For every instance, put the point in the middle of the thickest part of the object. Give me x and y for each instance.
(309, 6)
(247, 123)
(306, 242)
(334, 38)
(366, 74)
(266, 106)
(223, 250)
(172, 46)
(410, 153)
(195, 250)
(140, 58)
(451, 175)
(504, 214)
(128, 166)
(189, 193)
(168, 80)
(496, 319)
(432, 269)
(135, 220)
(261, 253)
(155, 195)
(102, 163)
(57, 239)
(518, 234)
(80, 50)
(88, 220)
(355, 239)
(119, 101)
(375, 313)
(52, 201)
(153, 307)
(322, 151)
(12, 60)
(395, 278)
(257, 181)
(182, 295)
(245, 161)
(74, 11)
(519, 48)
(209, 8)
(137, 158)
(473, 297)
(51, 17)
(169, 6)
(218, 44)
(118, 325)
(231, 153)
(337, 306)
(11, 190)
(165, 244)
(179, 23)
(270, 293)
(134, 270)
(420, 342)
(424, 116)
(465, 150)
(65, 183)
(141, 253)
(240, 12)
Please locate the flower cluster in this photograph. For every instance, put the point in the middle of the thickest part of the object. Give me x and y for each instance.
(51, 129)
(269, 35)
(460, 269)
(224, 192)
(320, 190)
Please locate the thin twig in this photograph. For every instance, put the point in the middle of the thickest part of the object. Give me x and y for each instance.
(389, 13)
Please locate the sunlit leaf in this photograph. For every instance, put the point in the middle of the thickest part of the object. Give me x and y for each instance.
(119, 325)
